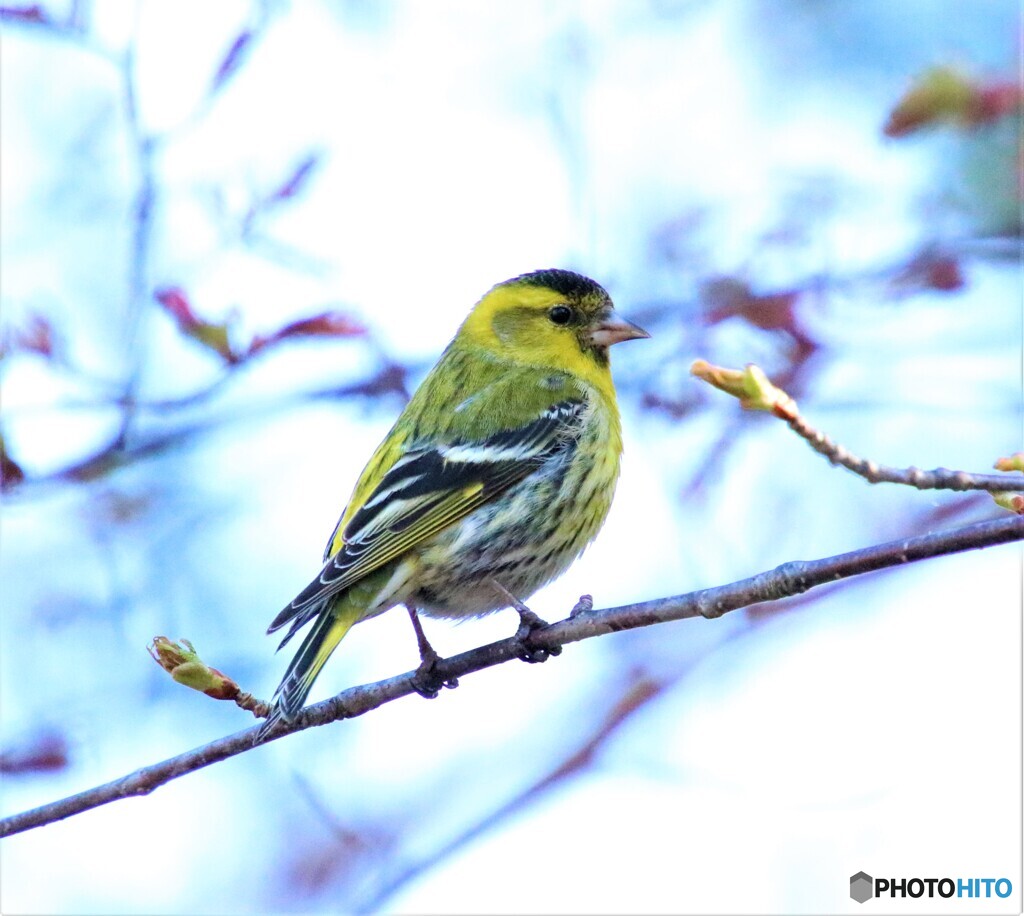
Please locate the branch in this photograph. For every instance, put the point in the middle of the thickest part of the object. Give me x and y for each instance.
(755, 392)
(789, 579)
(935, 479)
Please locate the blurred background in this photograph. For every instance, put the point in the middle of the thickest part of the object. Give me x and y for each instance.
(234, 238)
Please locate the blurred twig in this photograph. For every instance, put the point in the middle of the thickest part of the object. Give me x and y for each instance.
(44, 752)
(312, 863)
(389, 379)
(143, 146)
(639, 690)
(789, 579)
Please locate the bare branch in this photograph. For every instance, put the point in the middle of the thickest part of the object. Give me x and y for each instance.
(755, 392)
(789, 579)
(935, 479)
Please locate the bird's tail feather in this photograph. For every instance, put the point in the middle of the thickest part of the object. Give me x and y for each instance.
(333, 622)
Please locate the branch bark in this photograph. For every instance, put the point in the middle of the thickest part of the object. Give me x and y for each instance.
(756, 392)
(872, 472)
(787, 580)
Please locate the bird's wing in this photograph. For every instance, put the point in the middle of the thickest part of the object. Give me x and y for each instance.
(425, 491)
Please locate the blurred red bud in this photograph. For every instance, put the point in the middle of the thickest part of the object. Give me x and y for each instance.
(36, 336)
(945, 274)
(327, 324)
(213, 336)
(173, 299)
(728, 297)
(10, 472)
(930, 270)
(995, 101)
(946, 95)
(45, 753)
(33, 13)
(217, 337)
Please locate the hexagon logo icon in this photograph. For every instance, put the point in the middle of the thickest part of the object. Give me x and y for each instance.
(861, 887)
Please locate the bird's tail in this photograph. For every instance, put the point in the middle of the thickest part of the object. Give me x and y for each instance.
(333, 622)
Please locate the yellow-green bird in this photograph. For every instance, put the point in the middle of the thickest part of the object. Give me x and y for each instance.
(496, 476)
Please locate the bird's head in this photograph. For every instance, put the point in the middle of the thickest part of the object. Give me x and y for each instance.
(553, 319)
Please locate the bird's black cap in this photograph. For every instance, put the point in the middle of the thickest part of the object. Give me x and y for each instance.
(568, 283)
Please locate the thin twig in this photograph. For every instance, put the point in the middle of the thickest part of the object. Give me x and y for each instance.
(755, 392)
(935, 479)
(789, 579)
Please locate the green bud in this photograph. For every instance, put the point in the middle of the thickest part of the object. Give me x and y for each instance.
(1014, 462)
(750, 385)
(182, 662)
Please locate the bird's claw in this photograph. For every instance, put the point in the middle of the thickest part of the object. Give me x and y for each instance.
(529, 623)
(426, 681)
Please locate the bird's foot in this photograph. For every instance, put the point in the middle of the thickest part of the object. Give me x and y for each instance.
(426, 681)
(529, 623)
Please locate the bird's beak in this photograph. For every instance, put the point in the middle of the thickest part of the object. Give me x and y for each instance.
(612, 328)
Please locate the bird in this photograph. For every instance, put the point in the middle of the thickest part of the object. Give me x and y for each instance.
(496, 476)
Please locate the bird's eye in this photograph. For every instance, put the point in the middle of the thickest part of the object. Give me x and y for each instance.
(560, 314)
